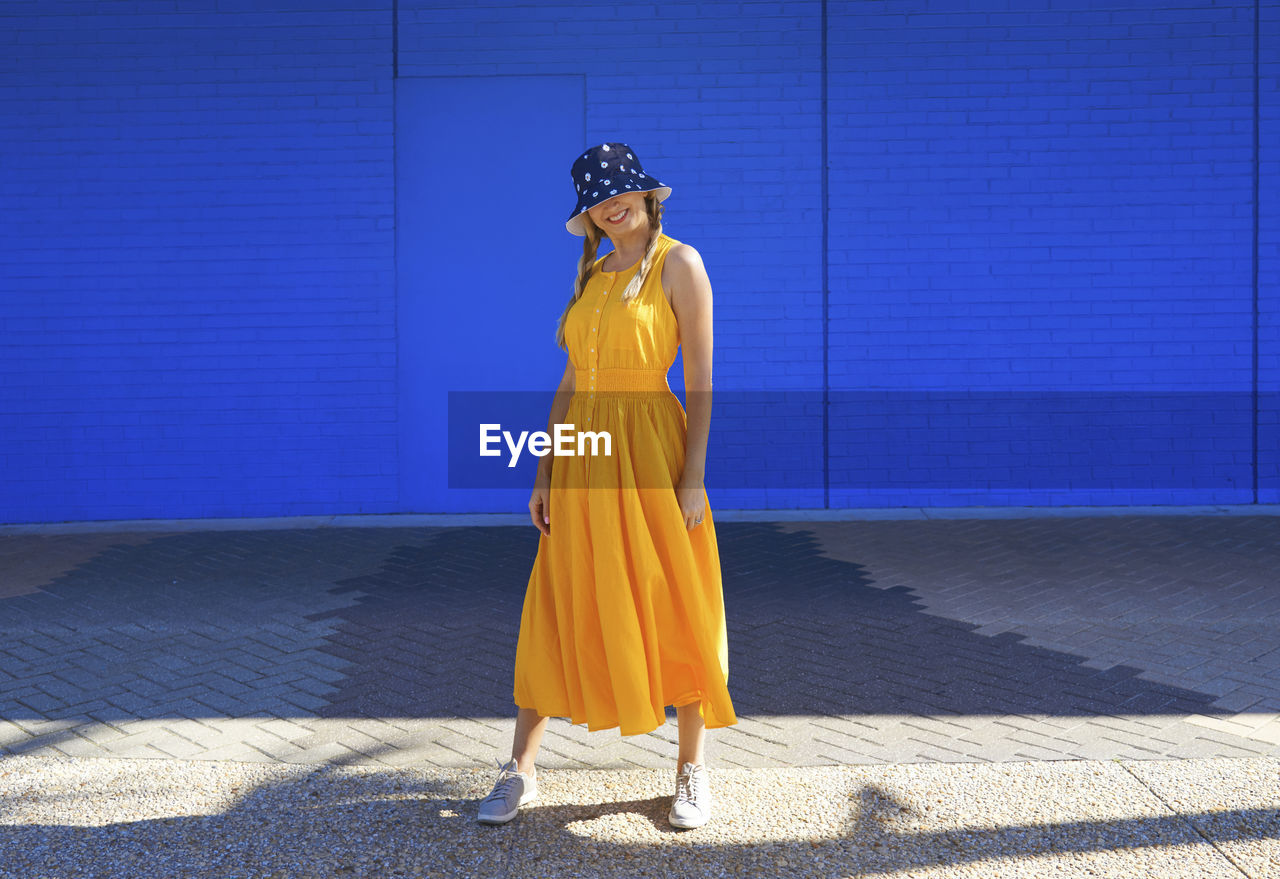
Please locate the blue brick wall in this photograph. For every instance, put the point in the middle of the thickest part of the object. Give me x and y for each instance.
(1267, 204)
(197, 264)
(1042, 216)
(1039, 243)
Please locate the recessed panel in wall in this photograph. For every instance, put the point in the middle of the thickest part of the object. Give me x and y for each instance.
(484, 268)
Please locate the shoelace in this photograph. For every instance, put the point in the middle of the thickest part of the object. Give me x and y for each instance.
(506, 778)
(685, 789)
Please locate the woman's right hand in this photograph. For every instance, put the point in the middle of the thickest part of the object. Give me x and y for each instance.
(540, 504)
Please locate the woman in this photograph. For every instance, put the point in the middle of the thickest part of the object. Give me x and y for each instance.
(624, 613)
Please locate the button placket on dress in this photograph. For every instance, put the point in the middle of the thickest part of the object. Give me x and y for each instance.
(595, 340)
(594, 359)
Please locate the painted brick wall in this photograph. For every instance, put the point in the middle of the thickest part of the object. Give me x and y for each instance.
(1267, 202)
(197, 264)
(1051, 204)
(1042, 216)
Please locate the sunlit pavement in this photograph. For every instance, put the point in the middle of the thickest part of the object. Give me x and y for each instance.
(976, 693)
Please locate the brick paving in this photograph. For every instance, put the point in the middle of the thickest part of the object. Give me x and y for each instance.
(1131, 637)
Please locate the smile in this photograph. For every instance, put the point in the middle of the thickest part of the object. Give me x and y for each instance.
(619, 217)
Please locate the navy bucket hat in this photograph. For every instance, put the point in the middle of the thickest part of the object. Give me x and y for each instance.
(605, 171)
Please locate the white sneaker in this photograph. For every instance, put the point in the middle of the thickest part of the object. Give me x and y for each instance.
(692, 804)
(511, 791)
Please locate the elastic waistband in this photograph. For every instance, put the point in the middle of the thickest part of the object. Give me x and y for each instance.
(619, 379)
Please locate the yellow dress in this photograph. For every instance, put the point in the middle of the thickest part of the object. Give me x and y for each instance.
(624, 610)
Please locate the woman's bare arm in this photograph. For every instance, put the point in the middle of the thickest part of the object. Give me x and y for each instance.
(691, 302)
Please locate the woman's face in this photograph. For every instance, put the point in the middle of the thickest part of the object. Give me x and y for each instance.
(631, 207)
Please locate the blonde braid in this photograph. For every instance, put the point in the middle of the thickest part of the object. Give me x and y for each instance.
(590, 244)
(654, 209)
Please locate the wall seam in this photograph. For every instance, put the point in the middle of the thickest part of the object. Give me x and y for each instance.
(395, 236)
(826, 345)
(1257, 121)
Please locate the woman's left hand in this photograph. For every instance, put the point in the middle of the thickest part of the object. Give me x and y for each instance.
(692, 500)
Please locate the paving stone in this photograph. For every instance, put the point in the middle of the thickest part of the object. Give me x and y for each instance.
(401, 633)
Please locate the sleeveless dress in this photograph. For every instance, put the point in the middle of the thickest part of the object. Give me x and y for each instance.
(624, 611)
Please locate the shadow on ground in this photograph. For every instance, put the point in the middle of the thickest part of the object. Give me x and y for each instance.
(251, 623)
(433, 634)
(329, 822)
